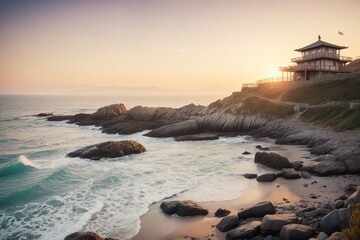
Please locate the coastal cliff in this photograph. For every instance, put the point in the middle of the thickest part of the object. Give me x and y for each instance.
(322, 115)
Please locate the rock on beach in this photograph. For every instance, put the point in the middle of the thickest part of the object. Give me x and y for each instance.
(272, 224)
(257, 210)
(272, 160)
(183, 208)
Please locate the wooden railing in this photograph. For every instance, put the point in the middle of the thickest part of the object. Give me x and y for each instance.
(321, 55)
(309, 67)
(267, 80)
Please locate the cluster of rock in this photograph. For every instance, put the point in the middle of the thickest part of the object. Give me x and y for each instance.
(265, 221)
(221, 117)
(291, 170)
(110, 149)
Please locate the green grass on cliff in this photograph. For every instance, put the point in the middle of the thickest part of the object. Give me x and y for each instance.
(338, 118)
(324, 91)
(254, 105)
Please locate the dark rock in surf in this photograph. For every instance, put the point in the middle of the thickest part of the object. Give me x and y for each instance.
(246, 153)
(58, 118)
(43, 115)
(183, 208)
(111, 149)
(250, 175)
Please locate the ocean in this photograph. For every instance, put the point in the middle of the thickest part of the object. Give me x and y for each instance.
(44, 195)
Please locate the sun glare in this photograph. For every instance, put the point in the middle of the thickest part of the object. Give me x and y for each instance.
(272, 73)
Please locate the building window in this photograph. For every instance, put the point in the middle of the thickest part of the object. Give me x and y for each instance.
(326, 49)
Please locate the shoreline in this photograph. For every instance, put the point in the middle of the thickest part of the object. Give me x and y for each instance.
(326, 189)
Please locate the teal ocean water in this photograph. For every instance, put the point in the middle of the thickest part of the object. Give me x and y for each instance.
(44, 195)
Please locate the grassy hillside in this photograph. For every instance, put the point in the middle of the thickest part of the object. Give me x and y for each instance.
(324, 91)
(254, 105)
(339, 118)
(277, 100)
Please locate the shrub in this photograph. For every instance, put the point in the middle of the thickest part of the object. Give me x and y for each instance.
(353, 231)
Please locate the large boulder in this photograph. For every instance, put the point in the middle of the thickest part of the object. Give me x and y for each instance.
(228, 223)
(267, 177)
(335, 220)
(296, 232)
(111, 149)
(244, 231)
(272, 224)
(250, 175)
(183, 208)
(326, 168)
(109, 112)
(272, 160)
(289, 173)
(258, 210)
(175, 129)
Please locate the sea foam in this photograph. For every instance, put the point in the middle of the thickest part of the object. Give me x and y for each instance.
(27, 162)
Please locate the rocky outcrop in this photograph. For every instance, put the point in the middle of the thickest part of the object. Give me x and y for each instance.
(176, 129)
(327, 168)
(197, 137)
(109, 112)
(258, 210)
(296, 232)
(272, 224)
(272, 160)
(43, 115)
(111, 149)
(335, 221)
(266, 177)
(183, 208)
(58, 118)
(244, 231)
(228, 223)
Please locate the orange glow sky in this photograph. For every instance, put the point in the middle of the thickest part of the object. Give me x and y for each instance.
(50, 46)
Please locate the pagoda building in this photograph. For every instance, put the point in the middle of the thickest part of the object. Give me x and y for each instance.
(316, 59)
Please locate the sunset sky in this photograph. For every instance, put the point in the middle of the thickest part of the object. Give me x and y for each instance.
(50, 46)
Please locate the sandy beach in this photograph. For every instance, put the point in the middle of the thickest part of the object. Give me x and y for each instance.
(284, 194)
